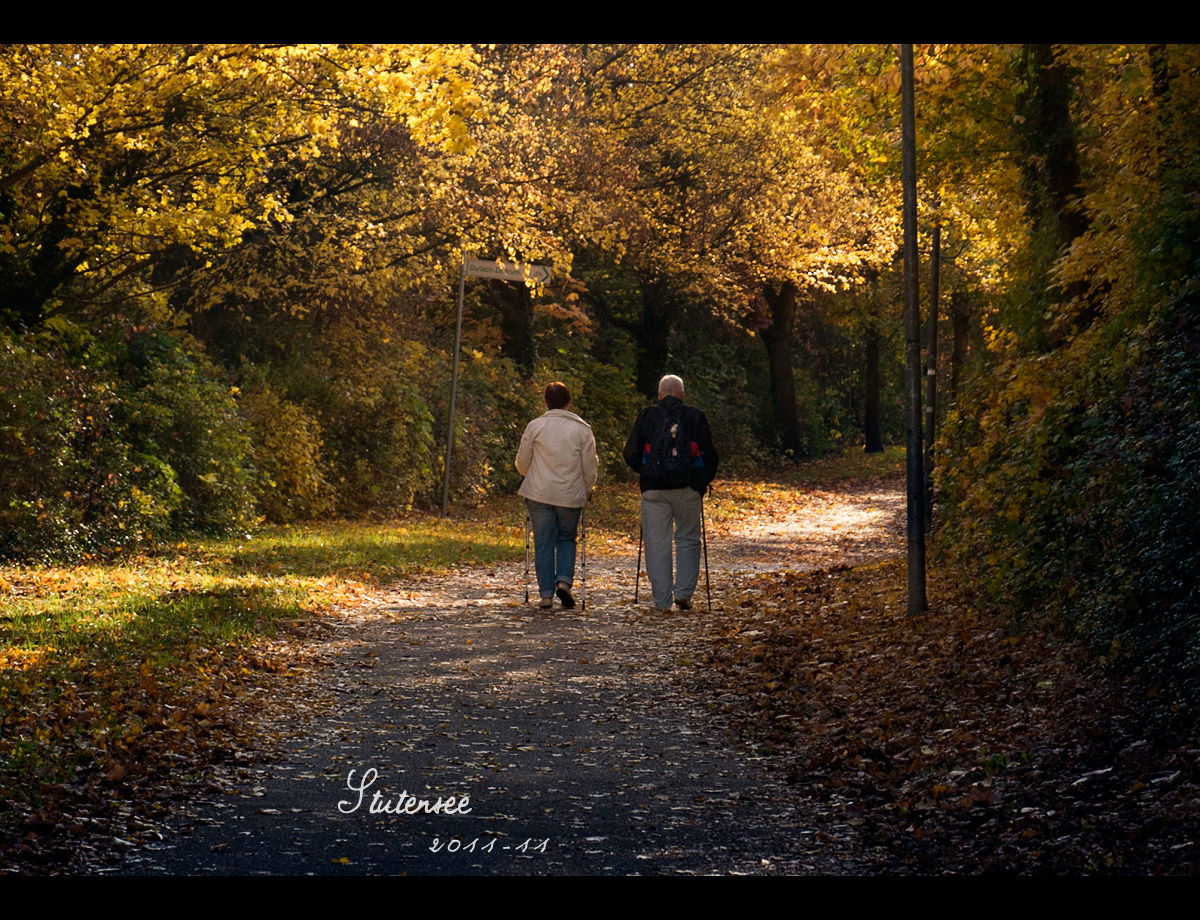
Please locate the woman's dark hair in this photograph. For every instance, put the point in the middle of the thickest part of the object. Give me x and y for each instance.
(557, 396)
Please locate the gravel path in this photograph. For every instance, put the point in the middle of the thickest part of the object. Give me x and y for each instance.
(567, 742)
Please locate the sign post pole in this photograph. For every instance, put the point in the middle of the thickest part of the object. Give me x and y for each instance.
(462, 283)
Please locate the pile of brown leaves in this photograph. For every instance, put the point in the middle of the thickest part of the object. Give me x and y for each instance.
(950, 742)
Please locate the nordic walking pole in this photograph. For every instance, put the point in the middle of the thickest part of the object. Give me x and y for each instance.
(583, 562)
(637, 578)
(704, 539)
(528, 528)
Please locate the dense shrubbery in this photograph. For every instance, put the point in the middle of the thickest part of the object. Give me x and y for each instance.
(357, 430)
(1149, 549)
(119, 440)
(1074, 494)
(65, 482)
(717, 377)
(726, 372)
(110, 442)
(603, 392)
(287, 453)
(124, 438)
(493, 405)
(177, 413)
(606, 396)
(831, 386)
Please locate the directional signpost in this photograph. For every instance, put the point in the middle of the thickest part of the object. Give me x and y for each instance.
(505, 271)
(524, 272)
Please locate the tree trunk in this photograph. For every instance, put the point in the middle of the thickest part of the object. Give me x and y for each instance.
(659, 309)
(960, 319)
(1052, 168)
(915, 480)
(871, 421)
(515, 305)
(1053, 185)
(777, 337)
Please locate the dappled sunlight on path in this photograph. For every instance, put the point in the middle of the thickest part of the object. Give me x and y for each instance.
(813, 529)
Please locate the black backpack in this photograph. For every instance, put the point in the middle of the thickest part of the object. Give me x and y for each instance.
(673, 453)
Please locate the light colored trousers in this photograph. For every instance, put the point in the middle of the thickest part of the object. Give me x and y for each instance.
(662, 511)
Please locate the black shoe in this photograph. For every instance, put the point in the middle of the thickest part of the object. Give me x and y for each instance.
(683, 603)
(564, 594)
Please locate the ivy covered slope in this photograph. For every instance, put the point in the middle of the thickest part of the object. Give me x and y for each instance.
(1070, 484)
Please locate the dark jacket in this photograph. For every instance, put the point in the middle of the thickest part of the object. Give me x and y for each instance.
(695, 422)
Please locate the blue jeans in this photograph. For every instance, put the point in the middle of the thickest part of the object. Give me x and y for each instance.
(672, 515)
(554, 529)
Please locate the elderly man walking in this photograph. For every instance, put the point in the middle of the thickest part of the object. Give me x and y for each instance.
(671, 450)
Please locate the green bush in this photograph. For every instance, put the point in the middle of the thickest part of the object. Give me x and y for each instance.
(72, 483)
(1145, 538)
(603, 395)
(359, 389)
(288, 456)
(112, 442)
(175, 411)
(378, 448)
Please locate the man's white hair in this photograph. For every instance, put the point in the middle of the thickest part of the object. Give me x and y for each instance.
(670, 385)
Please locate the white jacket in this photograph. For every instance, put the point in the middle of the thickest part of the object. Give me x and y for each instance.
(557, 457)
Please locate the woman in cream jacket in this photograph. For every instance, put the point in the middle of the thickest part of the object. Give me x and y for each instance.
(557, 457)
